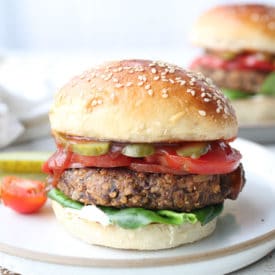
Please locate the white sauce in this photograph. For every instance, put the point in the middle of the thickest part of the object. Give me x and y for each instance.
(91, 213)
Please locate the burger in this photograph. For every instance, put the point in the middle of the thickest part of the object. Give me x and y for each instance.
(239, 56)
(143, 159)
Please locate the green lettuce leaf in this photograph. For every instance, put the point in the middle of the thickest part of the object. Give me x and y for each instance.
(268, 86)
(235, 94)
(132, 218)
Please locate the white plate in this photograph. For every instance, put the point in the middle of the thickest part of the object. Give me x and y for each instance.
(259, 133)
(245, 232)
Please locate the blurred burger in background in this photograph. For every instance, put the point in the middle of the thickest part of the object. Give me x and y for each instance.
(239, 56)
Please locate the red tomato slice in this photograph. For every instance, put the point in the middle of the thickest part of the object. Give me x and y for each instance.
(220, 159)
(23, 195)
(108, 160)
(242, 62)
(59, 161)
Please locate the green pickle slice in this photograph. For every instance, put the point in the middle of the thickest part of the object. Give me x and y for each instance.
(90, 148)
(138, 150)
(22, 162)
(194, 150)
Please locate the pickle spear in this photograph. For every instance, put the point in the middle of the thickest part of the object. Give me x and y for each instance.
(138, 150)
(22, 162)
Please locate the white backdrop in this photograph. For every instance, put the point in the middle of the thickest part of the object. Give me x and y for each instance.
(99, 25)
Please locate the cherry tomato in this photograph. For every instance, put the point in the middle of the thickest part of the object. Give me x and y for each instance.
(23, 195)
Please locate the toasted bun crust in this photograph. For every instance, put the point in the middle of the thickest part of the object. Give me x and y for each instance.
(263, 110)
(145, 238)
(236, 28)
(142, 101)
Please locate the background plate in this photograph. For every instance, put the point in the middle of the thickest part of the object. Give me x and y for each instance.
(245, 232)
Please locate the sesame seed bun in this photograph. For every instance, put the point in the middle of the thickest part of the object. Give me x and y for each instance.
(144, 238)
(236, 28)
(142, 101)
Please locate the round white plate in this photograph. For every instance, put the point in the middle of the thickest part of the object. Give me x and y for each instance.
(245, 232)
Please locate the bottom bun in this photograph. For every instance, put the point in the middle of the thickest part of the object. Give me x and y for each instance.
(150, 237)
(257, 110)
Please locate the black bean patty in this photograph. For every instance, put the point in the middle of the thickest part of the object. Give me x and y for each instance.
(120, 188)
(245, 80)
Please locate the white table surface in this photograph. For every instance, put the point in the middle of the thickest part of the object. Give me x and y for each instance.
(264, 266)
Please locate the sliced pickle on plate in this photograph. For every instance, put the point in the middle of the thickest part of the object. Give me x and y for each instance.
(90, 148)
(22, 162)
(138, 150)
(194, 149)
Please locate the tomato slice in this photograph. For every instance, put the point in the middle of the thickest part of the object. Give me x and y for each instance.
(108, 160)
(23, 195)
(242, 62)
(220, 159)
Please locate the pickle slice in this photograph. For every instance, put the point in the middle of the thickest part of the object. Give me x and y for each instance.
(138, 150)
(90, 148)
(194, 150)
(22, 162)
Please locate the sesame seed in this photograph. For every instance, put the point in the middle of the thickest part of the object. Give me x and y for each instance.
(171, 81)
(115, 79)
(150, 92)
(118, 85)
(147, 87)
(94, 102)
(182, 82)
(164, 91)
(152, 65)
(202, 89)
(191, 91)
(202, 112)
(156, 77)
(191, 83)
(172, 70)
(154, 70)
(131, 71)
(99, 101)
(203, 94)
(140, 83)
(206, 99)
(82, 76)
(93, 85)
(128, 84)
(164, 95)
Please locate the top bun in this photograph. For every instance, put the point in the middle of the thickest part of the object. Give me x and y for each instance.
(142, 101)
(236, 28)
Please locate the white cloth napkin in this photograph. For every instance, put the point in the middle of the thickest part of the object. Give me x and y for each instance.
(25, 97)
